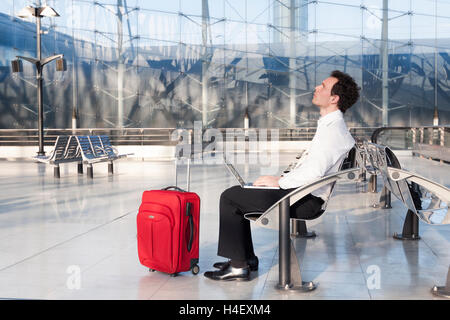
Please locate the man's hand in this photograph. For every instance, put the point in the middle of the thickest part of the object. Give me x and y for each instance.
(267, 181)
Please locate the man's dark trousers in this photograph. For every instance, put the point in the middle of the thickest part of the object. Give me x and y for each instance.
(235, 238)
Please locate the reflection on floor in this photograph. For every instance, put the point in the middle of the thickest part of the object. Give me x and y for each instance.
(75, 238)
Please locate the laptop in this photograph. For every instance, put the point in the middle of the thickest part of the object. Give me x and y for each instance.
(241, 181)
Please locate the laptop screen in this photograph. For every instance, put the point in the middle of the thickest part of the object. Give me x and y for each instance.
(234, 172)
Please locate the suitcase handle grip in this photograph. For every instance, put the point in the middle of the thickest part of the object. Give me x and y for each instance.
(191, 226)
(173, 187)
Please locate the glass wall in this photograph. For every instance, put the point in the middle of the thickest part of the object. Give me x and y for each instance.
(136, 63)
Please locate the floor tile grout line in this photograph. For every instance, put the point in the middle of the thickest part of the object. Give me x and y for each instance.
(68, 240)
(362, 240)
(98, 262)
(59, 287)
(267, 276)
(159, 288)
(358, 255)
(402, 217)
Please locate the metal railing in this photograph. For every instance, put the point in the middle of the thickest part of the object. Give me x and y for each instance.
(431, 142)
(407, 137)
(144, 136)
(159, 136)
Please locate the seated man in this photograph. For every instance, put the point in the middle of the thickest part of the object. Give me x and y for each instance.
(328, 149)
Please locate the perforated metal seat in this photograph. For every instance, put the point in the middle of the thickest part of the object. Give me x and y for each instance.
(58, 152)
(110, 150)
(97, 147)
(425, 199)
(65, 150)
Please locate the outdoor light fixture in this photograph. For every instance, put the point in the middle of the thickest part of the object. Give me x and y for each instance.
(16, 65)
(61, 65)
(44, 11)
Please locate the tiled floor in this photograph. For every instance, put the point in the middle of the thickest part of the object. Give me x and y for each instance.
(76, 239)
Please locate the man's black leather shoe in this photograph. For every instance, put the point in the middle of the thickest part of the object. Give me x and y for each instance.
(229, 274)
(252, 263)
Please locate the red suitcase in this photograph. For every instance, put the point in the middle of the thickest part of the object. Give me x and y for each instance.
(168, 224)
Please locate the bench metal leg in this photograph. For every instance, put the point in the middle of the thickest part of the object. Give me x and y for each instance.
(363, 175)
(90, 171)
(110, 167)
(299, 229)
(56, 171)
(373, 184)
(443, 291)
(410, 228)
(289, 270)
(284, 280)
(80, 167)
(385, 199)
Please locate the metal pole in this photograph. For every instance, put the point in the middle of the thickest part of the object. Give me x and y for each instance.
(205, 19)
(292, 63)
(120, 65)
(74, 85)
(284, 263)
(436, 116)
(385, 65)
(41, 151)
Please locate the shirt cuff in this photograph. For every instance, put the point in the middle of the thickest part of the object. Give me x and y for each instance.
(285, 183)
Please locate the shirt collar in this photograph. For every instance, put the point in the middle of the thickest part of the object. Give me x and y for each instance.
(327, 119)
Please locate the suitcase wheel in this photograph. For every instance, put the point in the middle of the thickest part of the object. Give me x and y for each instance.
(195, 269)
(151, 270)
(173, 275)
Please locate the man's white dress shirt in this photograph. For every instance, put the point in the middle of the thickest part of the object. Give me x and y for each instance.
(328, 149)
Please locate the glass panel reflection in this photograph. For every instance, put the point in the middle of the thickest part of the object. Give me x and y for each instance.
(132, 63)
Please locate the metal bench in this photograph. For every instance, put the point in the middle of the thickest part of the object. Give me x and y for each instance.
(443, 291)
(425, 199)
(96, 149)
(102, 147)
(66, 149)
(110, 151)
(81, 149)
(431, 208)
(278, 217)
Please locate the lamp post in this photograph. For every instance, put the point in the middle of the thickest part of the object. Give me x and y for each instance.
(39, 63)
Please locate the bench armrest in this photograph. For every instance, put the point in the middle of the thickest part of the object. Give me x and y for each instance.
(45, 159)
(270, 218)
(427, 215)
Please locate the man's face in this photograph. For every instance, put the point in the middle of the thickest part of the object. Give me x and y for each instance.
(322, 94)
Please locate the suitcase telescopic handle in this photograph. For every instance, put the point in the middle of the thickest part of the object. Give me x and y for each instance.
(191, 225)
(173, 187)
(188, 178)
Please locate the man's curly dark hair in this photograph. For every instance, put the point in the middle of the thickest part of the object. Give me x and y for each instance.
(346, 88)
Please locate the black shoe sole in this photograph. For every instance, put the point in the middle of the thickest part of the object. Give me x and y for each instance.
(229, 279)
(221, 265)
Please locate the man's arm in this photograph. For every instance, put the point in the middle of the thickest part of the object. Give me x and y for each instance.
(320, 159)
(267, 181)
(324, 153)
